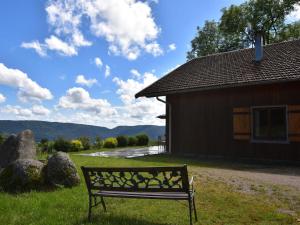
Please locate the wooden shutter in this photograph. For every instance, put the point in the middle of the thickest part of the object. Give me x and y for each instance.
(241, 124)
(294, 123)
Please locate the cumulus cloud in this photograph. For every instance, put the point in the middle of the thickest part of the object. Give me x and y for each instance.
(27, 89)
(294, 15)
(40, 49)
(25, 113)
(135, 74)
(63, 48)
(107, 71)
(142, 110)
(127, 25)
(40, 110)
(172, 47)
(2, 98)
(80, 79)
(80, 99)
(98, 62)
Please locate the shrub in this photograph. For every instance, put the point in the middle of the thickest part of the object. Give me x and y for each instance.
(132, 141)
(76, 146)
(98, 143)
(142, 139)
(62, 145)
(122, 141)
(43, 145)
(2, 138)
(85, 143)
(110, 142)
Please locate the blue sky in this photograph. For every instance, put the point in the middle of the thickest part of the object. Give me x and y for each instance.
(83, 61)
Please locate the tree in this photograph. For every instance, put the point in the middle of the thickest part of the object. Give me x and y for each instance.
(98, 143)
(2, 139)
(207, 40)
(44, 144)
(122, 141)
(239, 24)
(110, 142)
(62, 145)
(142, 139)
(85, 143)
(290, 31)
(76, 146)
(132, 141)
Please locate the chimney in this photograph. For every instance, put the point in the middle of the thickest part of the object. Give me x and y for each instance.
(258, 47)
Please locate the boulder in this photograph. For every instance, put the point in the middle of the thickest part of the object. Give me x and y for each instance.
(21, 146)
(61, 171)
(22, 175)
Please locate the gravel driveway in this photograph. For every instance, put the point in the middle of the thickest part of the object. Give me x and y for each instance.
(278, 182)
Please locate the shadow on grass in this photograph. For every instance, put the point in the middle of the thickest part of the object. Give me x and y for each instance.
(110, 219)
(272, 167)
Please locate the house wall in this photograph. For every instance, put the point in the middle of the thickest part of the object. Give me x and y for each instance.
(202, 122)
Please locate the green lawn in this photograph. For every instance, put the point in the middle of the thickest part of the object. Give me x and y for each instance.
(217, 203)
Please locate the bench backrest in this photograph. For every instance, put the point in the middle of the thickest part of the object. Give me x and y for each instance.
(142, 179)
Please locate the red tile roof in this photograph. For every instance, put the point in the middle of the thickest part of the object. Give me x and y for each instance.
(280, 63)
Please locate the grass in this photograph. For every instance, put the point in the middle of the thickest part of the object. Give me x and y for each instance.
(217, 203)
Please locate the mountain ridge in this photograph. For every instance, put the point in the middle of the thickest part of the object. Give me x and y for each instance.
(53, 130)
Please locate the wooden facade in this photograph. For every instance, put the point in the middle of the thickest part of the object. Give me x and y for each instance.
(218, 123)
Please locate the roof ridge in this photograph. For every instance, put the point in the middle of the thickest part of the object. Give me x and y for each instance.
(243, 49)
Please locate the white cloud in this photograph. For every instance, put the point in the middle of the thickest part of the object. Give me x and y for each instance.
(154, 49)
(135, 74)
(127, 25)
(27, 89)
(80, 79)
(63, 48)
(55, 44)
(39, 48)
(79, 99)
(25, 113)
(98, 62)
(172, 47)
(79, 41)
(2, 98)
(107, 71)
(40, 110)
(294, 15)
(141, 110)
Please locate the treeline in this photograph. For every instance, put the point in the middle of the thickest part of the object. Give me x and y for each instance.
(84, 143)
(239, 24)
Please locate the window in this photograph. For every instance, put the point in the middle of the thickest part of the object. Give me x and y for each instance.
(270, 124)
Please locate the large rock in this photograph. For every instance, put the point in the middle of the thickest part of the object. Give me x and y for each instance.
(21, 146)
(61, 171)
(22, 175)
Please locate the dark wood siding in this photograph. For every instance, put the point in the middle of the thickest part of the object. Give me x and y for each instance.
(202, 122)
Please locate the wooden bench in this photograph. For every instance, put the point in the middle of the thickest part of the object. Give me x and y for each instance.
(169, 183)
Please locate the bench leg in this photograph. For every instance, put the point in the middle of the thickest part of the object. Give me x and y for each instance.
(190, 211)
(103, 204)
(195, 211)
(90, 209)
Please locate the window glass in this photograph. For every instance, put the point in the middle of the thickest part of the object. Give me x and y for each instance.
(269, 123)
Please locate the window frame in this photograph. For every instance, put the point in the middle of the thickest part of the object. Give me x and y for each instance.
(254, 140)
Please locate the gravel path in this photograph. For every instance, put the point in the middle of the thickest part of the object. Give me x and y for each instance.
(282, 183)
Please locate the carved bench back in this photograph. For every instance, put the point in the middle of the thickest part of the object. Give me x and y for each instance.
(143, 179)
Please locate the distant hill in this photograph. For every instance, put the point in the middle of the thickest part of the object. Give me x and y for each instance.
(52, 130)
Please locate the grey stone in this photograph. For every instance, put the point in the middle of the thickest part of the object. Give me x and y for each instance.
(21, 146)
(61, 171)
(22, 175)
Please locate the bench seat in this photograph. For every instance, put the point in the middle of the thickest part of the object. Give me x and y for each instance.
(149, 195)
(169, 183)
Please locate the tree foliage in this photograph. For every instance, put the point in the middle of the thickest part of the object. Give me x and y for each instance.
(85, 142)
(239, 24)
